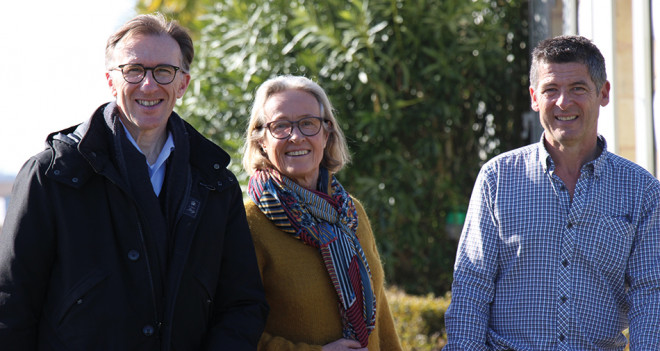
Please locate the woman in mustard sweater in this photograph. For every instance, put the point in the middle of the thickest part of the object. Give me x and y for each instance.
(320, 267)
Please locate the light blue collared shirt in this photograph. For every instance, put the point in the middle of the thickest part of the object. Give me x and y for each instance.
(157, 170)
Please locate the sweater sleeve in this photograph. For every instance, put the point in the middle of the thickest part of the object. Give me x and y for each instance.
(385, 329)
(271, 342)
(388, 338)
(259, 227)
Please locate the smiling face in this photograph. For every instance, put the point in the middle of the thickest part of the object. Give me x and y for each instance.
(146, 106)
(297, 157)
(568, 103)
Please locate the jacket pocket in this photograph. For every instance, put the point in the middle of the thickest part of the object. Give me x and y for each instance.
(207, 292)
(75, 299)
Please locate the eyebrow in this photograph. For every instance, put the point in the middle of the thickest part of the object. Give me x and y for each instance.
(574, 83)
(580, 82)
(288, 118)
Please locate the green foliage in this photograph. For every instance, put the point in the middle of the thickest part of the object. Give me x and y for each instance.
(185, 12)
(425, 91)
(419, 320)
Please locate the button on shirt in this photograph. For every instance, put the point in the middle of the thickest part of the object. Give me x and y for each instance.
(537, 270)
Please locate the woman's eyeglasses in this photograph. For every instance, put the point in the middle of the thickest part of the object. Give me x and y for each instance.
(282, 129)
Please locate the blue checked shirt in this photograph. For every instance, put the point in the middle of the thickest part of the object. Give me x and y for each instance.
(536, 270)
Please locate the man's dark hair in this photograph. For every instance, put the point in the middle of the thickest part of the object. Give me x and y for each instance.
(567, 49)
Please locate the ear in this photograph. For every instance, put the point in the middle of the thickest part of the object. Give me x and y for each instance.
(605, 94)
(181, 89)
(111, 83)
(532, 95)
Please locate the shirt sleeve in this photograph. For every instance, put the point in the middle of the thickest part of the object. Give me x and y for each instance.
(475, 269)
(643, 275)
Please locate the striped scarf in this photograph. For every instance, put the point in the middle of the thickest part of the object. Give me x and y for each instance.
(329, 223)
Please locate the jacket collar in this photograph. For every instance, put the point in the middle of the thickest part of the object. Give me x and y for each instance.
(89, 148)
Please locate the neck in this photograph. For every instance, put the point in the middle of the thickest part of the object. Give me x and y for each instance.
(569, 160)
(151, 142)
(308, 181)
(151, 146)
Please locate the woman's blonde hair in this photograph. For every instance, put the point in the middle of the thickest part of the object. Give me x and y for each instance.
(335, 155)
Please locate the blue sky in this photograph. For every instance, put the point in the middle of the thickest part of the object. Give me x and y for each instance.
(52, 74)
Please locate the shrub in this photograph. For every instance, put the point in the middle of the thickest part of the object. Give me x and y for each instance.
(420, 320)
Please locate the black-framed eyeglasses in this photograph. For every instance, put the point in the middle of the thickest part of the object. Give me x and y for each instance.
(282, 129)
(134, 73)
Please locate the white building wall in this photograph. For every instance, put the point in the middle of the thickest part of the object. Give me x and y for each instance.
(655, 33)
(595, 20)
(643, 80)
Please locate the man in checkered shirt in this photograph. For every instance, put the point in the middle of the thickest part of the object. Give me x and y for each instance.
(561, 245)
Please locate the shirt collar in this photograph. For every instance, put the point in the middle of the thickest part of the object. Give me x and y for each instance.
(158, 169)
(164, 152)
(596, 165)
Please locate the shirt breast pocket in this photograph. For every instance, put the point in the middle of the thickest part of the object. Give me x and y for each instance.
(609, 245)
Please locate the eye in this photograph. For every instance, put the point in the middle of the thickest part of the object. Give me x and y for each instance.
(133, 69)
(307, 123)
(280, 125)
(164, 70)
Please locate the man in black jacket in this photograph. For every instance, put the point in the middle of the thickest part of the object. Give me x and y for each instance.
(128, 232)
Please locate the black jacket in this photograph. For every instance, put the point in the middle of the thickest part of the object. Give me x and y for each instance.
(90, 260)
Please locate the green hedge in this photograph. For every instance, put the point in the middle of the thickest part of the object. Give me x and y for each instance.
(420, 320)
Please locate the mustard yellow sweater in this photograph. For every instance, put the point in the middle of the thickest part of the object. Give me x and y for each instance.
(304, 312)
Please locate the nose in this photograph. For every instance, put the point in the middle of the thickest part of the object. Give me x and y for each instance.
(564, 99)
(296, 134)
(149, 81)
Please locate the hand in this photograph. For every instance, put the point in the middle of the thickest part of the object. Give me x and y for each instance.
(344, 345)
